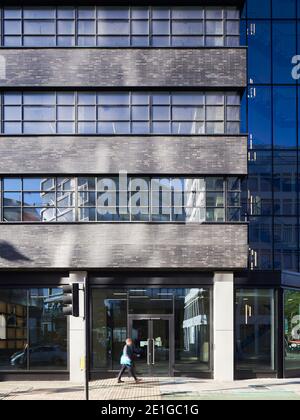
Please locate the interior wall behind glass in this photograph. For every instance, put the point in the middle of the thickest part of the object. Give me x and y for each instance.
(33, 330)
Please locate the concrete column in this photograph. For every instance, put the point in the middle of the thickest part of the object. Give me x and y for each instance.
(224, 326)
(77, 334)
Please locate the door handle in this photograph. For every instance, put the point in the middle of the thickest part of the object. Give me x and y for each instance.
(148, 353)
(153, 352)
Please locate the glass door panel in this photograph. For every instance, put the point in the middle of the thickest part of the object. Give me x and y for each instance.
(140, 333)
(161, 343)
(151, 338)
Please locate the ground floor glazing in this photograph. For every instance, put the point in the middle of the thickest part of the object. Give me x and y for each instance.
(172, 320)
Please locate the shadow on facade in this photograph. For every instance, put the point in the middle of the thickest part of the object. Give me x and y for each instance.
(10, 253)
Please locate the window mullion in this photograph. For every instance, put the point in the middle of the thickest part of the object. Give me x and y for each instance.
(77, 199)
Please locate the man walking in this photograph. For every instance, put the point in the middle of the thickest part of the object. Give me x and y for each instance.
(127, 361)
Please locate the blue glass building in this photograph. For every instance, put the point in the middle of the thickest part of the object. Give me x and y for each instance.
(270, 115)
(271, 30)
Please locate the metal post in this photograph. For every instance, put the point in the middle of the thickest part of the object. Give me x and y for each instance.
(86, 316)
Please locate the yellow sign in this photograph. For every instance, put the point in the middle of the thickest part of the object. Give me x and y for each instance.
(82, 363)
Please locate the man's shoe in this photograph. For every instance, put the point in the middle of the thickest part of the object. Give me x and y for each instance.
(138, 381)
(120, 382)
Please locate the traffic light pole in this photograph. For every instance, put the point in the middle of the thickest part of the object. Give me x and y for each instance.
(86, 319)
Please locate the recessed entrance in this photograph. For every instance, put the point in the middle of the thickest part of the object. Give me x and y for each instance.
(153, 337)
(171, 328)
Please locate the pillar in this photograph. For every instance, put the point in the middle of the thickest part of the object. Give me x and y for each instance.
(77, 334)
(224, 326)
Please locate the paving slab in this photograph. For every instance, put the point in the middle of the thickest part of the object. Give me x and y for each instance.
(155, 389)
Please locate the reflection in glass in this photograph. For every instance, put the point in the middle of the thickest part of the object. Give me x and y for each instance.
(33, 330)
(192, 311)
(284, 48)
(292, 329)
(192, 330)
(255, 330)
(109, 327)
(259, 43)
(285, 132)
(89, 199)
(174, 26)
(260, 117)
(184, 113)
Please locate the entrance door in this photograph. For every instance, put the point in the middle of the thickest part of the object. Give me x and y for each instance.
(153, 340)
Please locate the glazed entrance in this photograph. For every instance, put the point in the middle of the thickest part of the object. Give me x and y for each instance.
(154, 339)
(171, 329)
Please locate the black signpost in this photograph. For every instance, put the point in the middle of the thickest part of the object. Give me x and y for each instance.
(70, 300)
(86, 323)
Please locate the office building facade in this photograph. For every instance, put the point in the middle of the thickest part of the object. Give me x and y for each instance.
(127, 133)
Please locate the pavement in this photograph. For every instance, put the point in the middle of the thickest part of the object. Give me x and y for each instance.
(155, 389)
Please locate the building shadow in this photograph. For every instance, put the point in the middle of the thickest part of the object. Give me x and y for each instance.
(10, 253)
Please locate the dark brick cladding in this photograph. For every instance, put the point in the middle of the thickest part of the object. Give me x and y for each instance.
(223, 155)
(215, 246)
(83, 67)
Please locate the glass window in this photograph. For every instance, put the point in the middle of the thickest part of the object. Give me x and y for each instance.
(214, 27)
(139, 13)
(34, 98)
(285, 133)
(113, 27)
(12, 13)
(286, 243)
(259, 9)
(261, 241)
(47, 335)
(113, 12)
(140, 27)
(12, 184)
(33, 331)
(39, 12)
(161, 113)
(192, 331)
(121, 26)
(86, 12)
(66, 12)
(187, 13)
(14, 331)
(12, 27)
(86, 27)
(285, 183)
(292, 330)
(115, 113)
(284, 48)
(187, 28)
(32, 27)
(181, 197)
(259, 51)
(255, 330)
(192, 310)
(260, 117)
(109, 327)
(160, 27)
(288, 11)
(39, 113)
(66, 27)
